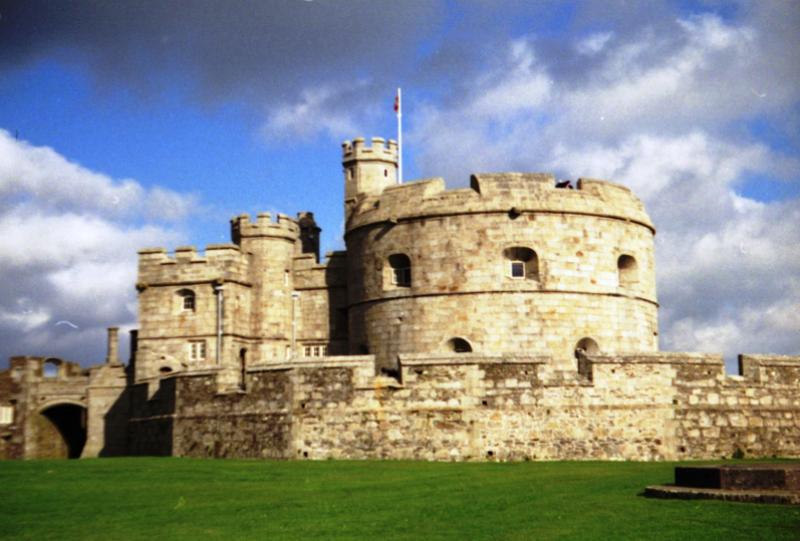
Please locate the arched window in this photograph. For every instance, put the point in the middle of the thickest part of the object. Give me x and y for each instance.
(459, 345)
(400, 267)
(585, 346)
(186, 300)
(627, 270)
(523, 263)
(164, 370)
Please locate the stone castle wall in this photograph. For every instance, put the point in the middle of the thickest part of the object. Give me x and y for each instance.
(461, 286)
(652, 406)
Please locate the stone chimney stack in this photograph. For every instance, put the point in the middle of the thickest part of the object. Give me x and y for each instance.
(113, 346)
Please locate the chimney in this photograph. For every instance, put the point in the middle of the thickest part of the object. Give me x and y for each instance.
(113, 346)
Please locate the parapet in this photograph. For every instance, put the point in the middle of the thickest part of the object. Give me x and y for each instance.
(284, 228)
(219, 262)
(500, 193)
(773, 369)
(380, 150)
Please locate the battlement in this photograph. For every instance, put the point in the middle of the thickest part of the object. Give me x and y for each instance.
(284, 227)
(500, 192)
(379, 150)
(219, 262)
(48, 369)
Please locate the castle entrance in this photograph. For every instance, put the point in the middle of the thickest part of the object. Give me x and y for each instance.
(62, 431)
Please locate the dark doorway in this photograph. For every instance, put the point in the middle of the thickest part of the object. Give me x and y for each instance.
(70, 421)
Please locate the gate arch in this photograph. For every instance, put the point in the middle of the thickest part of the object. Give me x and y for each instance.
(67, 422)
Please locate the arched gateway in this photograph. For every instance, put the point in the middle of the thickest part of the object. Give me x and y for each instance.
(62, 429)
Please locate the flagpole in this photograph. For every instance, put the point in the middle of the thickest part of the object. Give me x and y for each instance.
(399, 136)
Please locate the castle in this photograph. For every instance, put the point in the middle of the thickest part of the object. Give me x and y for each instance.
(514, 319)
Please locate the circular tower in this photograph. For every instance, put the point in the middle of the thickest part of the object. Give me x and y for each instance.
(511, 265)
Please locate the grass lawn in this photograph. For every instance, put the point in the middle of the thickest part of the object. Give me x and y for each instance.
(174, 498)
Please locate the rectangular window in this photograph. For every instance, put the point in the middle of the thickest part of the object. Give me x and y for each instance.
(401, 277)
(517, 269)
(188, 302)
(6, 415)
(318, 350)
(197, 350)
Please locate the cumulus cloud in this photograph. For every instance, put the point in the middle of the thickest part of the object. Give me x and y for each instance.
(644, 93)
(660, 111)
(68, 241)
(35, 173)
(317, 111)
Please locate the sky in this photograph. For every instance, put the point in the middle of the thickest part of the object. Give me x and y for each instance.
(126, 125)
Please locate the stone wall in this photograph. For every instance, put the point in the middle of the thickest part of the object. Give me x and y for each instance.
(461, 284)
(651, 406)
(757, 414)
(11, 442)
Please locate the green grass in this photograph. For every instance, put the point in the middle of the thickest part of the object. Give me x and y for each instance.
(172, 498)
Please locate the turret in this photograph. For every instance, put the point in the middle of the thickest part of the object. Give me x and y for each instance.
(368, 170)
(309, 234)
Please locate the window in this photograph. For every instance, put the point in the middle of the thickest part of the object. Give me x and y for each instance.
(186, 300)
(585, 346)
(50, 368)
(522, 263)
(459, 345)
(588, 346)
(400, 267)
(318, 350)
(6, 415)
(197, 350)
(627, 270)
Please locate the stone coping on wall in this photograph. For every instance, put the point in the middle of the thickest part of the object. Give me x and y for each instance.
(659, 357)
(338, 361)
(499, 193)
(771, 360)
(428, 359)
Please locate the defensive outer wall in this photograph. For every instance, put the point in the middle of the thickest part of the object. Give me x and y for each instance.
(655, 406)
(510, 320)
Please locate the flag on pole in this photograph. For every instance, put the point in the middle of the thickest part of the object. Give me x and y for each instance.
(398, 108)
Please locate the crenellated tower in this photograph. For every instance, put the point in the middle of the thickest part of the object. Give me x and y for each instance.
(368, 170)
(271, 246)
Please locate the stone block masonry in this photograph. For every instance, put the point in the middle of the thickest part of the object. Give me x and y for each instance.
(657, 406)
(515, 319)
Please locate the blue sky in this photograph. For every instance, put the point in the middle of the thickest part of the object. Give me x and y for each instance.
(152, 123)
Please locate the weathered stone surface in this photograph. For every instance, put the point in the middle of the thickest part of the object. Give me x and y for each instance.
(511, 320)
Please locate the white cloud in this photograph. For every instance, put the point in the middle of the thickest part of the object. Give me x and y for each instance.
(43, 175)
(594, 43)
(661, 113)
(68, 241)
(318, 111)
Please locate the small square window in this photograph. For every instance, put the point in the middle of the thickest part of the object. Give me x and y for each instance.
(6, 415)
(517, 269)
(197, 350)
